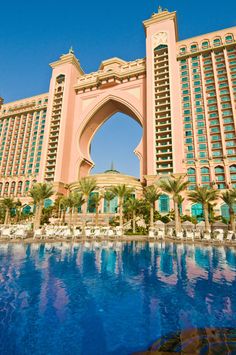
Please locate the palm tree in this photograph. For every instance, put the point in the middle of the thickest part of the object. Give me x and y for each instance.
(122, 192)
(62, 209)
(95, 202)
(72, 201)
(86, 186)
(18, 206)
(151, 194)
(205, 196)
(174, 186)
(132, 205)
(229, 198)
(108, 196)
(39, 192)
(7, 205)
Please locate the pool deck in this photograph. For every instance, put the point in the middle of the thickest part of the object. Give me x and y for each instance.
(125, 239)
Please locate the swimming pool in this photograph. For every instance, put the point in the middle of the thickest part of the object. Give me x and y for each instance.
(110, 299)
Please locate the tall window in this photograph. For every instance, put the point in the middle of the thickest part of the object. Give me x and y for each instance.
(164, 204)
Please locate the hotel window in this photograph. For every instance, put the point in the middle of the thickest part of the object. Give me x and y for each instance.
(201, 124)
(183, 50)
(202, 155)
(205, 44)
(215, 130)
(230, 144)
(202, 146)
(216, 145)
(164, 204)
(200, 117)
(229, 128)
(231, 151)
(215, 138)
(229, 38)
(190, 156)
(216, 154)
(205, 178)
(189, 140)
(201, 139)
(193, 47)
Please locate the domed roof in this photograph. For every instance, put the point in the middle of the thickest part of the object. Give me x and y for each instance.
(111, 171)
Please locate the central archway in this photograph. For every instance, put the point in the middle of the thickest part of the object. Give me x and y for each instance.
(95, 119)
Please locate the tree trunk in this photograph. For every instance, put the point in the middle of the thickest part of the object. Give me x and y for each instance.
(121, 212)
(70, 217)
(206, 217)
(177, 217)
(86, 205)
(134, 222)
(63, 216)
(6, 217)
(37, 217)
(232, 219)
(96, 218)
(151, 215)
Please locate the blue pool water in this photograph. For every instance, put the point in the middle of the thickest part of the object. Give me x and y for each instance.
(79, 299)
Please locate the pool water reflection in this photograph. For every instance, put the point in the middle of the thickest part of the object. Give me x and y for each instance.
(110, 299)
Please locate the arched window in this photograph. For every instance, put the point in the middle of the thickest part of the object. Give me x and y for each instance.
(161, 46)
(219, 170)
(232, 170)
(220, 177)
(13, 186)
(205, 44)
(205, 170)
(229, 38)
(19, 187)
(183, 50)
(197, 211)
(191, 171)
(60, 78)
(217, 41)
(194, 47)
(6, 188)
(27, 185)
(205, 175)
(164, 204)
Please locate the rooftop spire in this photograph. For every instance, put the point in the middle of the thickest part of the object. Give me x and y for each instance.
(71, 50)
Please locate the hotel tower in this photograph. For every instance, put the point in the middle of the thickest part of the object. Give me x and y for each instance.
(183, 94)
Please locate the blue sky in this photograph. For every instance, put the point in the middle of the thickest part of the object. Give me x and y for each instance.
(33, 34)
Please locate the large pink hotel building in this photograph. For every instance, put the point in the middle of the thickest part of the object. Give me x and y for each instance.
(183, 94)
